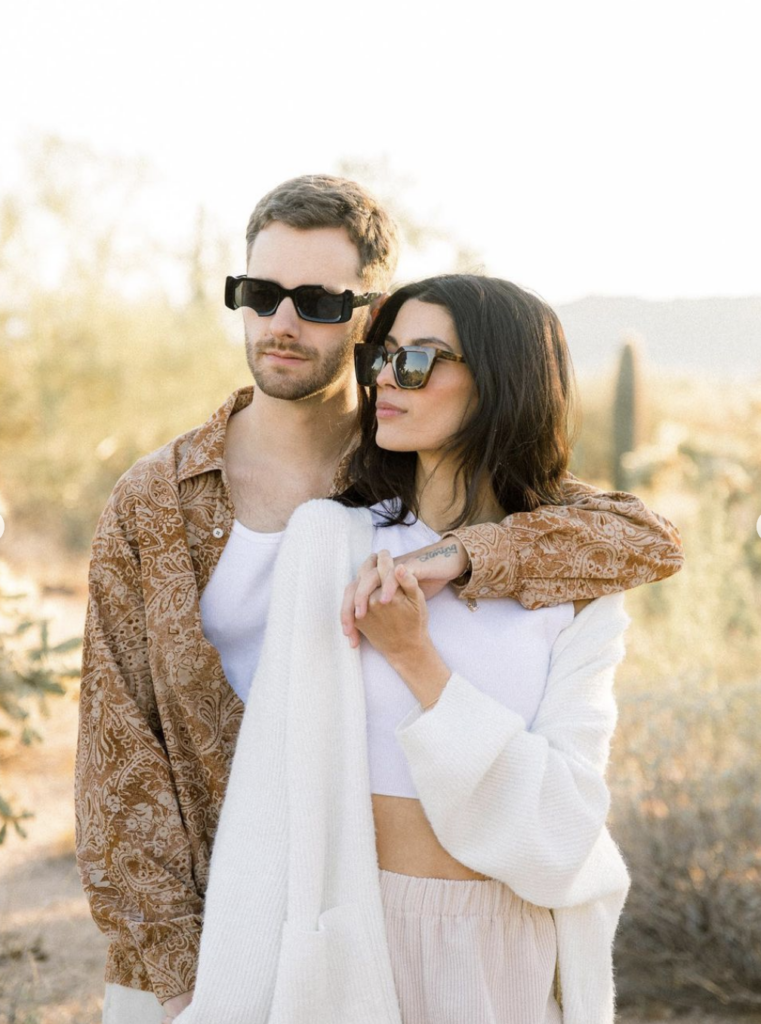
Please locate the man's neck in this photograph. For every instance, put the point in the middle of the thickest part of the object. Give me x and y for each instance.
(279, 454)
(301, 436)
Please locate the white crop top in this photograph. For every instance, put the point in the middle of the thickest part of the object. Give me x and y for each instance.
(501, 648)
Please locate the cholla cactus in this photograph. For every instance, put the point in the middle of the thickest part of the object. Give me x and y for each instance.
(627, 411)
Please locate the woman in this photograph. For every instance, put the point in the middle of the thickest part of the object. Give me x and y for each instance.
(465, 420)
(482, 864)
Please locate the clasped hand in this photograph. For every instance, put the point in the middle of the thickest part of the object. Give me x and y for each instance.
(397, 625)
(393, 616)
(378, 579)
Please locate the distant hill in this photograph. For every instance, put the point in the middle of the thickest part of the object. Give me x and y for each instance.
(720, 336)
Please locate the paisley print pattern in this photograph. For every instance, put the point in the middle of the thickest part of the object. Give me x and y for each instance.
(158, 719)
(597, 543)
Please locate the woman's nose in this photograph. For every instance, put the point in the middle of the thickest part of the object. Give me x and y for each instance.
(386, 377)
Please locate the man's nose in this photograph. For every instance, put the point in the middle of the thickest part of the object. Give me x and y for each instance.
(285, 320)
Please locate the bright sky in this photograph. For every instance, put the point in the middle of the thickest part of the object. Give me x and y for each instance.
(586, 147)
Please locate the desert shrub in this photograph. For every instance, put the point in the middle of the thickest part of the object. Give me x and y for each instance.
(700, 629)
(685, 771)
(31, 670)
(686, 779)
(92, 386)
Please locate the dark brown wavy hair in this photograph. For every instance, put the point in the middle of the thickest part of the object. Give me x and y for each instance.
(521, 431)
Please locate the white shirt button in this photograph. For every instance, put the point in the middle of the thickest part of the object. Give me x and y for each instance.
(218, 532)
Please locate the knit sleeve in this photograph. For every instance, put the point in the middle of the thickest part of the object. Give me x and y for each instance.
(528, 806)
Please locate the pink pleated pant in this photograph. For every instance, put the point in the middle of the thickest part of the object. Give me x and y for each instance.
(469, 952)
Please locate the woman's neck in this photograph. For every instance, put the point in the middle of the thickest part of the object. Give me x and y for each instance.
(436, 484)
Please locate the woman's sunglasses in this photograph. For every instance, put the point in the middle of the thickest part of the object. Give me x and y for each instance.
(312, 301)
(411, 365)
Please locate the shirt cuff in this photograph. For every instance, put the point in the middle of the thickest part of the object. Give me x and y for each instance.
(169, 951)
(494, 567)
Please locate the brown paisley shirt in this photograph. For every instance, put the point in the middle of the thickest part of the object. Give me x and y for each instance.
(158, 719)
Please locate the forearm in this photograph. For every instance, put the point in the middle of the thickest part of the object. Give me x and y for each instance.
(597, 543)
(424, 671)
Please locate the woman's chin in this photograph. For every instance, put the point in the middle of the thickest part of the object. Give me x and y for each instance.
(393, 440)
(390, 445)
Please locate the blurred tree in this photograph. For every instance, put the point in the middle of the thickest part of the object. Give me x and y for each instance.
(101, 363)
(208, 260)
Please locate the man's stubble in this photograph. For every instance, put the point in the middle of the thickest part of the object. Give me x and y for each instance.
(326, 368)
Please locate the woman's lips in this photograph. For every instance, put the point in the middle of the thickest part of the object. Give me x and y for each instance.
(386, 411)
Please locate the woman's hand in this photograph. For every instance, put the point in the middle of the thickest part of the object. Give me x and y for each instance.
(433, 566)
(173, 1007)
(398, 629)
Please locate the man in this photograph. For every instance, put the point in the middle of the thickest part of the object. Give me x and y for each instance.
(168, 656)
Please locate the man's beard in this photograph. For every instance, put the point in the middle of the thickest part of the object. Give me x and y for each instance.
(325, 369)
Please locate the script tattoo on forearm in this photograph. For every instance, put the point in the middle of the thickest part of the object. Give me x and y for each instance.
(450, 549)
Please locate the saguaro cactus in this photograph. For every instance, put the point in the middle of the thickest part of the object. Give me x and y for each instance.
(627, 410)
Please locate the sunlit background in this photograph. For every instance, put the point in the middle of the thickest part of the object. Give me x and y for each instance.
(603, 155)
(588, 148)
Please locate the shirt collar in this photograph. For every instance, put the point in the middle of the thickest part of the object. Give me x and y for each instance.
(206, 449)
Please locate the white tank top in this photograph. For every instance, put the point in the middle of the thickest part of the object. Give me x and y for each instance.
(235, 602)
(501, 648)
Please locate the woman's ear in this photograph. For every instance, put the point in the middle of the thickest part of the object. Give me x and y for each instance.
(375, 307)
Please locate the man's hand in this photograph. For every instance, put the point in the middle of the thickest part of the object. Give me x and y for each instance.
(174, 1006)
(433, 567)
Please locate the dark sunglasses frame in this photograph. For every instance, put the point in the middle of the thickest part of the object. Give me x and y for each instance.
(362, 354)
(346, 302)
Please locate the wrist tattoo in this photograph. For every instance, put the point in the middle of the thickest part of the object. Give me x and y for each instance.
(450, 549)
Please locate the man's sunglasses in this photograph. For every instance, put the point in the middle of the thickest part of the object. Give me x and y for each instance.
(411, 365)
(312, 301)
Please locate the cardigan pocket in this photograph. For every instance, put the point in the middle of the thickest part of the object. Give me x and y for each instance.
(329, 975)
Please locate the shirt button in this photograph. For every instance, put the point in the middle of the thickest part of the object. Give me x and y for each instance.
(218, 532)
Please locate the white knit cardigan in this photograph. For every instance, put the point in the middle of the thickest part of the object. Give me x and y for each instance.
(294, 931)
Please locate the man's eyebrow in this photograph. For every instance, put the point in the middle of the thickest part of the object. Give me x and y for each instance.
(422, 341)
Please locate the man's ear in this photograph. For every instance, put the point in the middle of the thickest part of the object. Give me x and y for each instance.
(375, 307)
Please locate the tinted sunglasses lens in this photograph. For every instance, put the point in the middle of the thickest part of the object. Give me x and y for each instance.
(316, 304)
(261, 296)
(411, 368)
(368, 363)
